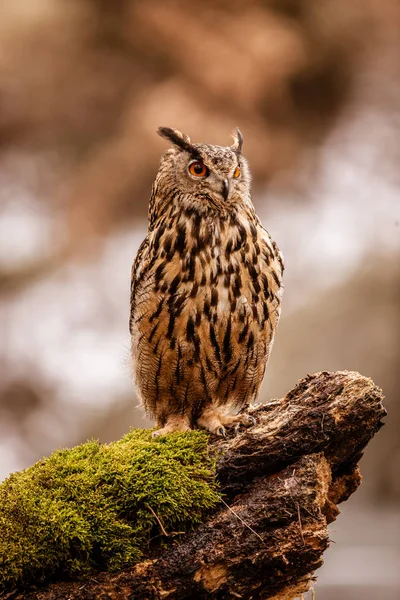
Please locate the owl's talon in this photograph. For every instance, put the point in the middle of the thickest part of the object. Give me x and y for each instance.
(158, 433)
(251, 420)
(246, 420)
(221, 432)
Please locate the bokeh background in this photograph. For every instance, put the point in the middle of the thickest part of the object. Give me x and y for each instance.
(315, 87)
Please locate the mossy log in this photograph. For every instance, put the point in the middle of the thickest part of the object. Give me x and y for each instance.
(280, 482)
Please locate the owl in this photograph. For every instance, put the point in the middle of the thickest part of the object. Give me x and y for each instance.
(206, 291)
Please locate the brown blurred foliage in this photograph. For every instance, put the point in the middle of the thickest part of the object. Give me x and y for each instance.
(84, 83)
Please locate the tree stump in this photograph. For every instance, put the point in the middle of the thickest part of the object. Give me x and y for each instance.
(281, 481)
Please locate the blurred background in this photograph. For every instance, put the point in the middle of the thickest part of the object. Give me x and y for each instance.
(315, 87)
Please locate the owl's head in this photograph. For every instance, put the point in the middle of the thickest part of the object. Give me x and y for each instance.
(214, 175)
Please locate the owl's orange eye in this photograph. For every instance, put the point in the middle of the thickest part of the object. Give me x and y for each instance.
(237, 172)
(198, 169)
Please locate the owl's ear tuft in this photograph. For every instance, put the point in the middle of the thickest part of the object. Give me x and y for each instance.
(176, 137)
(237, 141)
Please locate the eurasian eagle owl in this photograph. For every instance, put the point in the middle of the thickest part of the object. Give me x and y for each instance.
(206, 290)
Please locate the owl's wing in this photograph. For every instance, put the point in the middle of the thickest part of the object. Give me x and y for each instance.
(272, 243)
(137, 273)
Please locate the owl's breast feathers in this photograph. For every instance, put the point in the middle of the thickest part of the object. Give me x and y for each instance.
(205, 302)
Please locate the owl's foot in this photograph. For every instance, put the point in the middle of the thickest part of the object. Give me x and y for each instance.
(210, 420)
(217, 422)
(235, 421)
(174, 423)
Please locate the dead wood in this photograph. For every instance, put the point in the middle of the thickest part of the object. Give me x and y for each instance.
(281, 481)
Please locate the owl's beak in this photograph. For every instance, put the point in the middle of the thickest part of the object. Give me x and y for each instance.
(225, 189)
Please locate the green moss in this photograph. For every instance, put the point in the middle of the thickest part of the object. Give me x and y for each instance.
(88, 507)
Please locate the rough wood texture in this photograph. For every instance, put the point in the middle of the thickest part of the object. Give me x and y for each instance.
(282, 480)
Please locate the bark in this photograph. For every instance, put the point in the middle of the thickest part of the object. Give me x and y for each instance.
(281, 481)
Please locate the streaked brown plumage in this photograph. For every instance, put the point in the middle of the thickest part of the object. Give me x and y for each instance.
(205, 292)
